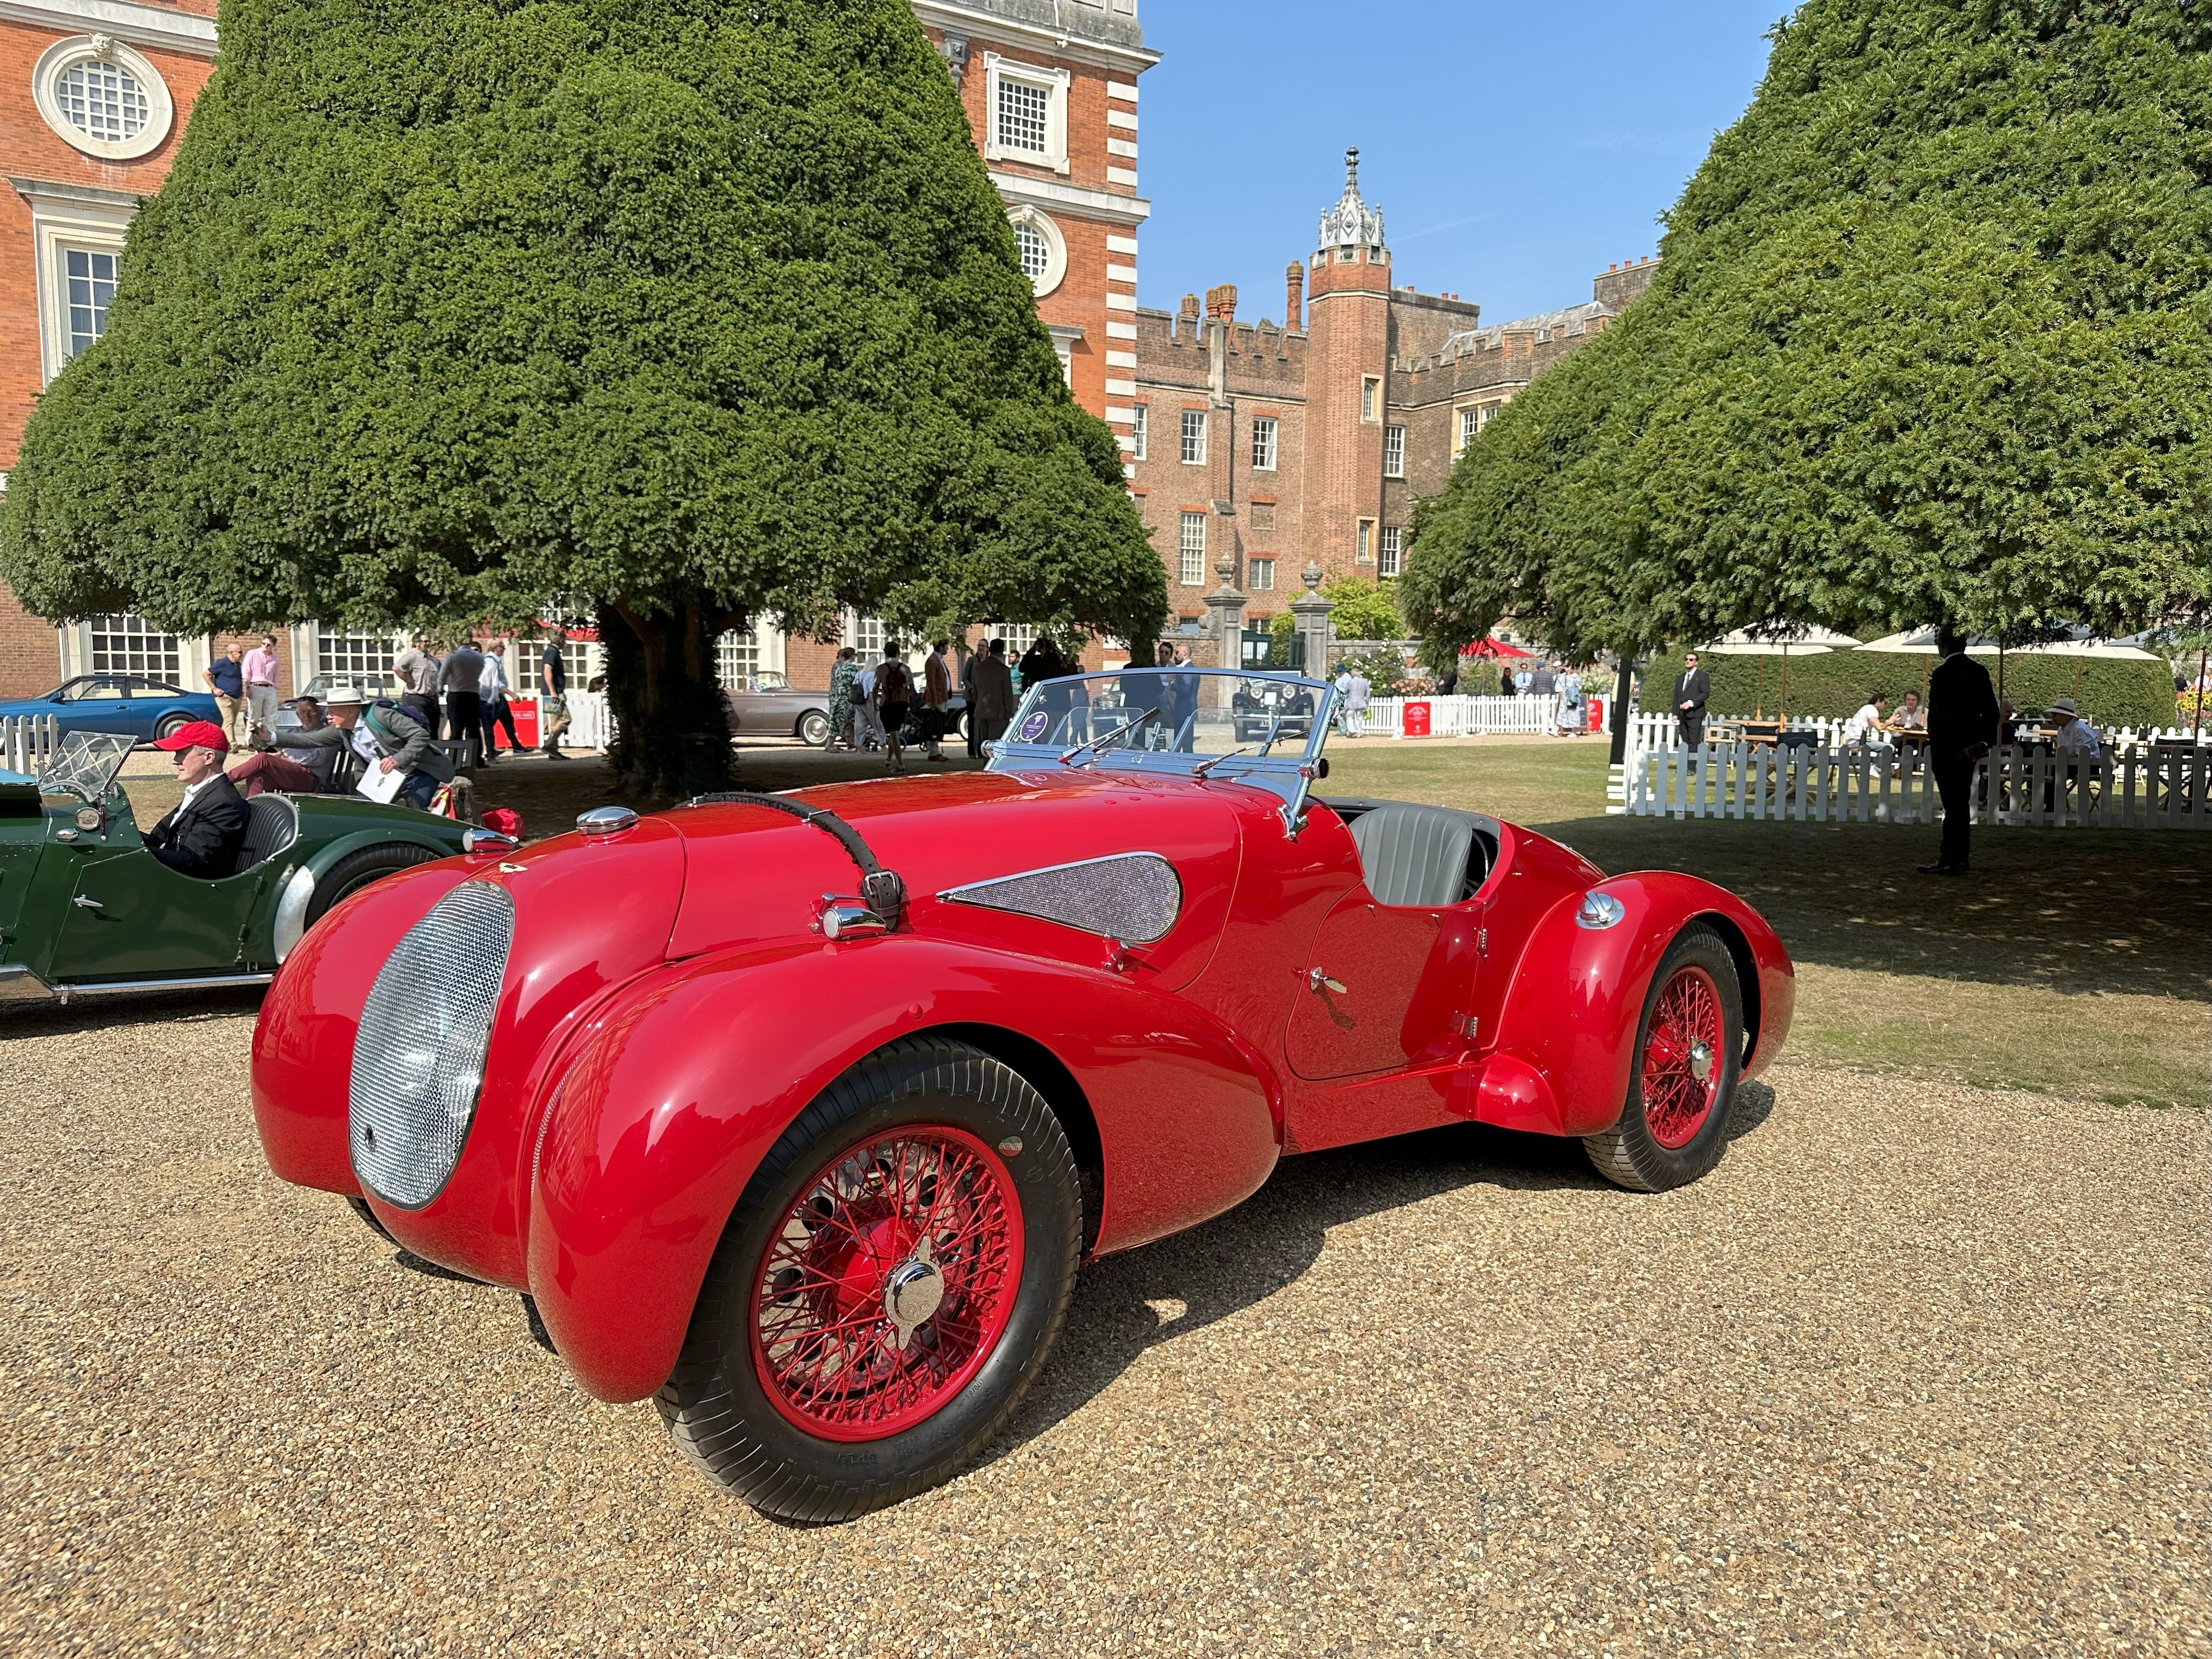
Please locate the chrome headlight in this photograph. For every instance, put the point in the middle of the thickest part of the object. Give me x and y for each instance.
(418, 1057)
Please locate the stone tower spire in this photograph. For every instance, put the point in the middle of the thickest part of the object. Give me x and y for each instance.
(1350, 222)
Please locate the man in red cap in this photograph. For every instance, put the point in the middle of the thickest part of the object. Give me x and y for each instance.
(202, 836)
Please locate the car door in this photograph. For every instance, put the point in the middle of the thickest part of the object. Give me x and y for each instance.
(1386, 987)
(93, 704)
(129, 916)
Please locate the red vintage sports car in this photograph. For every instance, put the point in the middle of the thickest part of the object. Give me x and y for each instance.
(796, 1114)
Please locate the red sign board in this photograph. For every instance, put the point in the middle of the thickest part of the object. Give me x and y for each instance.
(1415, 719)
(1597, 714)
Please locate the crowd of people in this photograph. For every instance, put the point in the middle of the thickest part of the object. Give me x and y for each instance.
(880, 705)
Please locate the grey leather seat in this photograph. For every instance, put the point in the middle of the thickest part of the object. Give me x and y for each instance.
(272, 824)
(1413, 855)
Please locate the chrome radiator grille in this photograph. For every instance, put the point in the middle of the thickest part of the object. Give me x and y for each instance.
(418, 1057)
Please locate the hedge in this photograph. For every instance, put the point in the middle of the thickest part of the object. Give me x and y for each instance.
(2112, 693)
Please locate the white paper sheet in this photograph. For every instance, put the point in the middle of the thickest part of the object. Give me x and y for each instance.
(378, 784)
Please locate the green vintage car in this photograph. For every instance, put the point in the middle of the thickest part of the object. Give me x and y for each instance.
(85, 909)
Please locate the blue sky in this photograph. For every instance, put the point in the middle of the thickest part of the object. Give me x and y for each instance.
(1515, 150)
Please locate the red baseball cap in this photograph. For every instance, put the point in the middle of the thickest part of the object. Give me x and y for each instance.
(195, 734)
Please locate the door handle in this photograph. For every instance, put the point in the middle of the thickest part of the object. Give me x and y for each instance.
(1318, 980)
(84, 903)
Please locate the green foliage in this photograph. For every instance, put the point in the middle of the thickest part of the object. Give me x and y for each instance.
(1283, 633)
(1363, 610)
(1385, 669)
(2112, 693)
(449, 306)
(1930, 340)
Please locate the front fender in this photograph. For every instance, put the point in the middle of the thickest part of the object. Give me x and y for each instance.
(1567, 1035)
(691, 1075)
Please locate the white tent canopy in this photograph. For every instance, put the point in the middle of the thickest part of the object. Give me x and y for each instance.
(1920, 642)
(1804, 642)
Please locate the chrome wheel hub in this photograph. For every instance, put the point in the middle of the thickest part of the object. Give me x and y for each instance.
(912, 1292)
(1701, 1060)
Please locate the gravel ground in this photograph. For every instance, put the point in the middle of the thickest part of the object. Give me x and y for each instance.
(1916, 1370)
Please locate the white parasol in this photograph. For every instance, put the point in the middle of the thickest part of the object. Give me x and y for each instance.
(1759, 643)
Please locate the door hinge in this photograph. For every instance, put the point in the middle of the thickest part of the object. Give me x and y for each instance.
(1463, 1025)
(1482, 941)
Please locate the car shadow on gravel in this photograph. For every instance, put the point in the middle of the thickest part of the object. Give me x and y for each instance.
(94, 1014)
(1127, 1303)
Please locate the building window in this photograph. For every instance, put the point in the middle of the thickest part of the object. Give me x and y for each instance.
(1385, 562)
(1394, 452)
(865, 634)
(1194, 437)
(1485, 415)
(1138, 421)
(583, 660)
(1263, 515)
(1364, 551)
(1370, 398)
(1024, 110)
(736, 659)
(1028, 106)
(1042, 250)
(129, 645)
(103, 98)
(359, 660)
(1018, 636)
(89, 278)
(1263, 443)
(1191, 549)
(1263, 575)
(1470, 423)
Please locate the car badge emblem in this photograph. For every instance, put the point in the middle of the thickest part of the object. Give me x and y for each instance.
(506, 869)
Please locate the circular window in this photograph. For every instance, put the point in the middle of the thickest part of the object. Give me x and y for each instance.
(103, 98)
(1043, 254)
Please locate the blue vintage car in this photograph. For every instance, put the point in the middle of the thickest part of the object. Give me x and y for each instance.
(130, 703)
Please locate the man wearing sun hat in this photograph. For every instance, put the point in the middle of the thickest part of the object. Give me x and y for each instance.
(203, 834)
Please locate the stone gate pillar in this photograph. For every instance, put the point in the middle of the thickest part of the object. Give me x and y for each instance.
(1224, 616)
(1310, 616)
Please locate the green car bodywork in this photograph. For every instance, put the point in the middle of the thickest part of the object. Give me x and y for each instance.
(85, 908)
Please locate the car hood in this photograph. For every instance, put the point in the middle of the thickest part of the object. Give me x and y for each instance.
(753, 874)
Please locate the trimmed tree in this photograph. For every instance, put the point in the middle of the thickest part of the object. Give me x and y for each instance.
(1929, 342)
(452, 309)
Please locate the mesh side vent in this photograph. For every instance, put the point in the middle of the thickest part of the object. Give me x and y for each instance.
(418, 1057)
(1133, 897)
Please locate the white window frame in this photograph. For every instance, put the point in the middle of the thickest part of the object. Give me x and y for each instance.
(1266, 429)
(64, 217)
(1391, 556)
(1053, 82)
(1055, 269)
(1259, 573)
(865, 634)
(1364, 549)
(379, 650)
(739, 654)
(1394, 452)
(1190, 551)
(1193, 427)
(64, 56)
(1371, 399)
(1469, 423)
(1139, 422)
(170, 647)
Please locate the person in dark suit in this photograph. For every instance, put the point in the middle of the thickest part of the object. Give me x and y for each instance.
(202, 837)
(1692, 689)
(1962, 724)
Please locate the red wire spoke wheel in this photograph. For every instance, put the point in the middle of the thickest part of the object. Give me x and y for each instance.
(1689, 1045)
(886, 1288)
(887, 1284)
(1682, 1057)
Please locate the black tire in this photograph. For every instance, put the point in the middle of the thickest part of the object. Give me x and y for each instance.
(813, 728)
(1630, 1154)
(360, 1207)
(357, 870)
(169, 725)
(715, 1403)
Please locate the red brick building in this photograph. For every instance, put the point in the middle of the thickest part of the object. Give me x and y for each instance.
(1259, 446)
(93, 94)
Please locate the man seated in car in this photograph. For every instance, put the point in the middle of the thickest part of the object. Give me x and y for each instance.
(201, 836)
(292, 763)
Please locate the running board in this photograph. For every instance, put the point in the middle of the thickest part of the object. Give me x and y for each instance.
(19, 983)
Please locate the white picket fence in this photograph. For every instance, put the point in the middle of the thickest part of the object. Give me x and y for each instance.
(28, 742)
(2133, 787)
(1465, 717)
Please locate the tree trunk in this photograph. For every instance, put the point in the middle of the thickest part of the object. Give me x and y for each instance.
(673, 729)
(1623, 689)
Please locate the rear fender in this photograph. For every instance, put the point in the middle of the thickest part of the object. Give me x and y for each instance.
(692, 1074)
(1567, 1036)
(325, 857)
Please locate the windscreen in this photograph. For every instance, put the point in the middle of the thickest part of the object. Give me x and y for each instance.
(1174, 711)
(86, 765)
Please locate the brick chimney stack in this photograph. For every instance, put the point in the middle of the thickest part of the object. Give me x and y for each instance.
(1294, 296)
(1221, 302)
(1187, 319)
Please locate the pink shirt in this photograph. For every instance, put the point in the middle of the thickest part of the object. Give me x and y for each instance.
(260, 666)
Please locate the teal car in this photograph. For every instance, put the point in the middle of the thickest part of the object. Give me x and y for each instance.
(85, 909)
